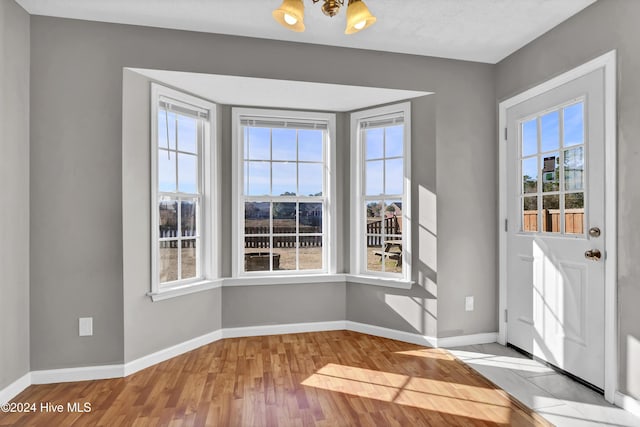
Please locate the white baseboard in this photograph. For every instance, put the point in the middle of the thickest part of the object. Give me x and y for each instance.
(122, 370)
(170, 352)
(85, 373)
(627, 403)
(393, 334)
(288, 328)
(15, 388)
(463, 340)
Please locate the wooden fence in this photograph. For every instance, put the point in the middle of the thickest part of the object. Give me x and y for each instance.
(573, 221)
(375, 228)
(253, 241)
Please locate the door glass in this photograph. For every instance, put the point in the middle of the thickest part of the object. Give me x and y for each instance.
(552, 161)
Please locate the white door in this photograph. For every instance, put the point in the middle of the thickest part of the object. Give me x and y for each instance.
(555, 229)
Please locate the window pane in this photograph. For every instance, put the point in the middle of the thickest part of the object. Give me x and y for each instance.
(374, 177)
(187, 173)
(530, 213)
(311, 178)
(394, 141)
(189, 259)
(310, 217)
(530, 137)
(574, 169)
(551, 213)
(551, 173)
(162, 129)
(168, 261)
(374, 260)
(392, 254)
(530, 175)
(168, 218)
(188, 210)
(550, 126)
(310, 145)
(187, 134)
(394, 176)
(374, 143)
(284, 218)
(284, 252)
(284, 145)
(284, 179)
(374, 224)
(258, 144)
(166, 171)
(574, 213)
(257, 256)
(574, 125)
(257, 178)
(310, 253)
(392, 217)
(256, 218)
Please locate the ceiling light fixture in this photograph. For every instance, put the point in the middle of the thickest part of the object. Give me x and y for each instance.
(291, 14)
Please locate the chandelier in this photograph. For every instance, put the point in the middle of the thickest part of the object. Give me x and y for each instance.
(291, 14)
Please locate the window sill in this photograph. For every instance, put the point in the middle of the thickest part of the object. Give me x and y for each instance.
(191, 288)
(284, 280)
(279, 280)
(379, 281)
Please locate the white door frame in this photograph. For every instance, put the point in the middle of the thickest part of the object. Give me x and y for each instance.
(608, 63)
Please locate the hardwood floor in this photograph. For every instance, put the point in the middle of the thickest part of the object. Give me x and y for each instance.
(337, 378)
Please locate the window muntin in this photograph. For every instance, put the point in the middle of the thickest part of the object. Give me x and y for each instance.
(182, 193)
(381, 232)
(552, 165)
(284, 195)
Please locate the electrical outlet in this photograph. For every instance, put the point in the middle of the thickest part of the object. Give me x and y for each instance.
(85, 326)
(468, 303)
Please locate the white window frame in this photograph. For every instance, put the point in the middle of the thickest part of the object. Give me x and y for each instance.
(209, 183)
(358, 236)
(329, 216)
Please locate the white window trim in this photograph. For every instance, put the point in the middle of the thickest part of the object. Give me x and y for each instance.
(358, 250)
(209, 184)
(237, 180)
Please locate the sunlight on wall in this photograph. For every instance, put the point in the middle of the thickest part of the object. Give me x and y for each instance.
(427, 228)
(412, 309)
(633, 366)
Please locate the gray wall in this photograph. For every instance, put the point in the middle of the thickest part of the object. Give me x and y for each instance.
(14, 179)
(606, 25)
(77, 245)
(149, 326)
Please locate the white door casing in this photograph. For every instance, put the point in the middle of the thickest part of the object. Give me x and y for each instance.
(561, 306)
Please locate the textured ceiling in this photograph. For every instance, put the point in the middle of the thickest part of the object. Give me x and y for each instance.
(474, 30)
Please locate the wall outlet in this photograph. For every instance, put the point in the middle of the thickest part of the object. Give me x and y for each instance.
(85, 326)
(468, 303)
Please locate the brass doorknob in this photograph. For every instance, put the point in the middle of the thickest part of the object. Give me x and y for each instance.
(593, 254)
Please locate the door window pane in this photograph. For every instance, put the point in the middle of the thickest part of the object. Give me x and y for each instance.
(530, 175)
(574, 124)
(530, 137)
(550, 131)
(551, 213)
(530, 213)
(574, 169)
(551, 172)
(574, 213)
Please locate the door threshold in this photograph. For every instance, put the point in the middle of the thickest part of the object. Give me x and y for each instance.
(555, 368)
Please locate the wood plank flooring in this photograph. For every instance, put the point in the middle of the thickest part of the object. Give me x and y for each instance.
(337, 378)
